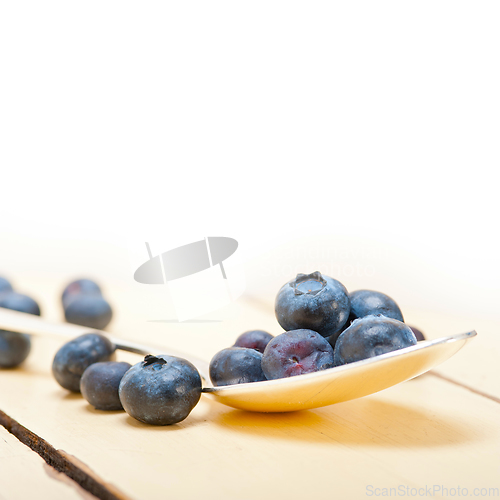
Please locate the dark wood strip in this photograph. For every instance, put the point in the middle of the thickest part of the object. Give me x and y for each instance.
(62, 462)
(465, 386)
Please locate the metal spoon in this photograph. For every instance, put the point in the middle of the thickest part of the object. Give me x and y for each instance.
(301, 392)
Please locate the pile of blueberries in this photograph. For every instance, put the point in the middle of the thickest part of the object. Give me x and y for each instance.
(325, 326)
(160, 390)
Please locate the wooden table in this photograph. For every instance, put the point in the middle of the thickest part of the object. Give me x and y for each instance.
(435, 434)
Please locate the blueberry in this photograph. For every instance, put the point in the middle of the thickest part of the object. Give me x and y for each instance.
(80, 286)
(161, 390)
(19, 302)
(368, 302)
(418, 334)
(296, 352)
(236, 365)
(14, 346)
(99, 384)
(332, 339)
(91, 310)
(372, 336)
(5, 285)
(254, 339)
(75, 356)
(313, 301)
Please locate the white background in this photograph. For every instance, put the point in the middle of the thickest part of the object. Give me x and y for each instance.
(374, 123)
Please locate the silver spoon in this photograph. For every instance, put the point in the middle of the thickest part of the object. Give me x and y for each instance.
(301, 392)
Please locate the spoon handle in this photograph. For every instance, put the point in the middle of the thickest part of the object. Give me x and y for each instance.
(15, 321)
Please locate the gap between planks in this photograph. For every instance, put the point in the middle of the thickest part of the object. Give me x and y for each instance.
(62, 462)
(465, 386)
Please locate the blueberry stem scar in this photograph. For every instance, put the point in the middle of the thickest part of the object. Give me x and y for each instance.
(150, 359)
(304, 278)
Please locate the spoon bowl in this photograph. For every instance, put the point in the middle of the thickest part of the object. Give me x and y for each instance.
(341, 383)
(302, 392)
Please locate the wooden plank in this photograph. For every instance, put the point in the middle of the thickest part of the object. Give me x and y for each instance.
(60, 464)
(425, 432)
(475, 366)
(23, 474)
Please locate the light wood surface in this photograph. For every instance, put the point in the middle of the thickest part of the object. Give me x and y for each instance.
(427, 432)
(23, 474)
